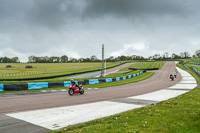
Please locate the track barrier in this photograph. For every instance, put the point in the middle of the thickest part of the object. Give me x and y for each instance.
(197, 71)
(185, 66)
(196, 64)
(40, 85)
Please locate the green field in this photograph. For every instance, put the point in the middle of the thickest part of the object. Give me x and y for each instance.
(145, 65)
(18, 70)
(176, 115)
(191, 60)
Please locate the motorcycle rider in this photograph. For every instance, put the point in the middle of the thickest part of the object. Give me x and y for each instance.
(175, 74)
(74, 84)
(170, 76)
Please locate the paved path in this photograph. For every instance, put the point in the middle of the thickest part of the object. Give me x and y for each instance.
(98, 74)
(57, 110)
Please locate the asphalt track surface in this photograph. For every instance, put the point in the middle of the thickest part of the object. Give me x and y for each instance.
(12, 104)
(98, 74)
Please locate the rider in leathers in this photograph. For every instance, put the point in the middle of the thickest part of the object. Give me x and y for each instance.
(74, 84)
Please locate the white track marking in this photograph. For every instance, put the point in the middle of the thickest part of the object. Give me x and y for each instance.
(159, 95)
(188, 82)
(183, 86)
(56, 118)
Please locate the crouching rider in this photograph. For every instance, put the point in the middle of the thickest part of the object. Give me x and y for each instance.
(74, 84)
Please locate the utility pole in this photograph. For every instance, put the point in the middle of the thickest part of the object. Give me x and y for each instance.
(102, 71)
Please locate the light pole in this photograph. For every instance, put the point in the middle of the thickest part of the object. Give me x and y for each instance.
(102, 71)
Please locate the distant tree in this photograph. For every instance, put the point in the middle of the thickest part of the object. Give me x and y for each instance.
(111, 58)
(5, 60)
(93, 58)
(166, 54)
(156, 56)
(186, 54)
(133, 57)
(31, 58)
(122, 58)
(15, 60)
(81, 60)
(87, 60)
(193, 56)
(197, 53)
(73, 60)
(173, 56)
(150, 58)
(64, 59)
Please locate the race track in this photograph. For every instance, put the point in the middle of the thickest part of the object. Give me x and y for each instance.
(158, 81)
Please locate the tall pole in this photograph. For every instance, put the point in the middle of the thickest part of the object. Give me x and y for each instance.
(102, 71)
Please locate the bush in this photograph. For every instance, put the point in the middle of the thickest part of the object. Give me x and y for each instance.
(8, 66)
(29, 67)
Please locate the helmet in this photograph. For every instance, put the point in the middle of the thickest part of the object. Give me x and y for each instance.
(72, 80)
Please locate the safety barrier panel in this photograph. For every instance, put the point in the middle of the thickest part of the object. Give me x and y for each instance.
(40, 85)
(1, 87)
(186, 66)
(195, 64)
(197, 71)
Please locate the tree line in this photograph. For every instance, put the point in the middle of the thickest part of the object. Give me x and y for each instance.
(9, 60)
(93, 58)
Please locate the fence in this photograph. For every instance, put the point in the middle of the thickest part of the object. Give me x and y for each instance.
(27, 74)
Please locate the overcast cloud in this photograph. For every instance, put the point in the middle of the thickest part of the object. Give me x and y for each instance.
(78, 28)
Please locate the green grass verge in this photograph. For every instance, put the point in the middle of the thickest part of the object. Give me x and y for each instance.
(191, 60)
(145, 65)
(176, 115)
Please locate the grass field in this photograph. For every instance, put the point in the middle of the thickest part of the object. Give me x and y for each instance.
(145, 65)
(192, 60)
(176, 115)
(18, 70)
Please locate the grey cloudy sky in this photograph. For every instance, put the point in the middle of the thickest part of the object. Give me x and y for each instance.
(78, 28)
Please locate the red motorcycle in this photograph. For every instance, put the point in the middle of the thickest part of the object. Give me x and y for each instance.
(172, 78)
(72, 90)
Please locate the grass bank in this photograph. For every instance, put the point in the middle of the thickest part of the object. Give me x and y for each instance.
(18, 70)
(144, 65)
(176, 115)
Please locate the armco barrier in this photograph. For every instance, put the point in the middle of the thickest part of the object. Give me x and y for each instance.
(185, 66)
(40, 85)
(197, 71)
(195, 64)
(1, 87)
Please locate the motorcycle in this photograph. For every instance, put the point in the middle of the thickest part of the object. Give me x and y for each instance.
(72, 90)
(172, 78)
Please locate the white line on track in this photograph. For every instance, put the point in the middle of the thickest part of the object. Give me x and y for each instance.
(56, 118)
